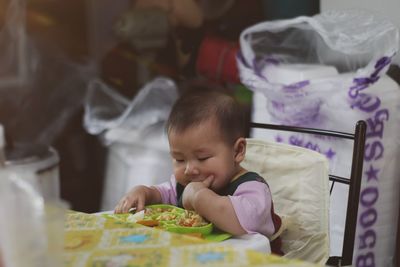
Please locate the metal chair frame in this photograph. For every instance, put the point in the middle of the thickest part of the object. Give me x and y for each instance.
(354, 181)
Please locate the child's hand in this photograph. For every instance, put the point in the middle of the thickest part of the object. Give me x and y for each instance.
(192, 189)
(135, 198)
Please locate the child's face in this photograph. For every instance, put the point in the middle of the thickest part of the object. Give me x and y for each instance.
(201, 151)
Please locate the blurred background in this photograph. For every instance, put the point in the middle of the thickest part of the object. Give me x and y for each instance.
(51, 51)
(93, 80)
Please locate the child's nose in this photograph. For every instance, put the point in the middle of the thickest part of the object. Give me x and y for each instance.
(191, 169)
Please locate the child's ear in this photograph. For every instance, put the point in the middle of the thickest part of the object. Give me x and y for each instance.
(240, 149)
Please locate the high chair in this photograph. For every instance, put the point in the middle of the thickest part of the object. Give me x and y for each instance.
(299, 181)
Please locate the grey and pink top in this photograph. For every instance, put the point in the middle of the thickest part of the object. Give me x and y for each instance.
(251, 199)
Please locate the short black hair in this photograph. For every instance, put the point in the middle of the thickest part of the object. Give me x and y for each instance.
(202, 103)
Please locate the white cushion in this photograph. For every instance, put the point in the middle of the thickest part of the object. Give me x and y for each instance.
(298, 179)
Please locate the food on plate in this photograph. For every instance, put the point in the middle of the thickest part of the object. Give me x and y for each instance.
(191, 219)
(149, 223)
(171, 218)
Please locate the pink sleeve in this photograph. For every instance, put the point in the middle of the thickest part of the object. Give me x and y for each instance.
(168, 191)
(252, 203)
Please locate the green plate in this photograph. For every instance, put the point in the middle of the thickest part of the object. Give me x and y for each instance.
(171, 225)
(208, 232)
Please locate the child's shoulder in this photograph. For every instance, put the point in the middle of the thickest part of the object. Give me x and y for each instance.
(251, 176)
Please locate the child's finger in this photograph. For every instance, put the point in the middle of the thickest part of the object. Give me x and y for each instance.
(140, 204)
(208, 181)
(125, 206)
(119, 207)
(128, 206)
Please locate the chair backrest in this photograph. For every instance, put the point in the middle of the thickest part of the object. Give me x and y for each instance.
(298, 179)
(354, 181)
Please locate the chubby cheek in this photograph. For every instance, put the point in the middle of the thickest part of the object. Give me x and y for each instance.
(179, 173)
(216, 185)
(221, 179)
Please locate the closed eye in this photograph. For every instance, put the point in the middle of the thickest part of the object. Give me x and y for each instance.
(203, 158)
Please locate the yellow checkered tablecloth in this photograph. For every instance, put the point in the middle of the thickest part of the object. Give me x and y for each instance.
(97, 241)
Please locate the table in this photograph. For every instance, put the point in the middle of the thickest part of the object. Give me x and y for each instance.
(92, 240)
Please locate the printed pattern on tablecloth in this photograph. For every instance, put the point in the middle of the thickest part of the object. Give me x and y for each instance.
(92, 240)
(131, 238)
(78, 220)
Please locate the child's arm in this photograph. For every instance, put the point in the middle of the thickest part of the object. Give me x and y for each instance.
(138, 197)
(218, 210)
(215, 208)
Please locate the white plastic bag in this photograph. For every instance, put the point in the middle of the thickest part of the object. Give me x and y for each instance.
(106, 109)
(360, 48)
(133, 130)
(354, 42)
